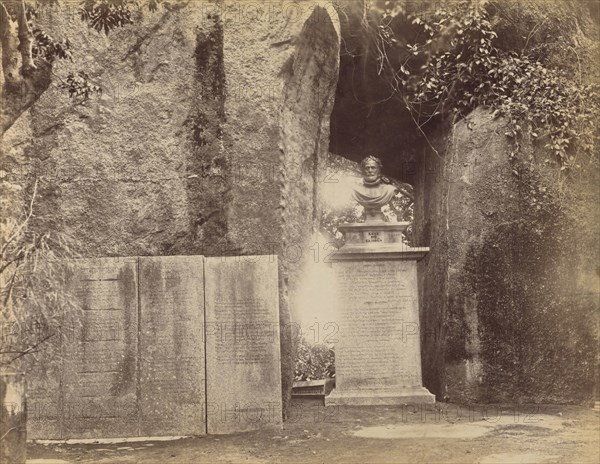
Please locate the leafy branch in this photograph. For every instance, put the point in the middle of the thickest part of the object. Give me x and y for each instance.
(79, 86)
(452, 63)
(106, 15)
(33, 304)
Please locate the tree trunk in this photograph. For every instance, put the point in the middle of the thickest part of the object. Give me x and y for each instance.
(13, 418)
(21, 81)
(25, 41)
(11, 60)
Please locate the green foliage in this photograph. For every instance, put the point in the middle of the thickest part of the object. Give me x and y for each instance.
(107, 15)
(314, 361)
(33, 306)
(79, 86)
(44, 46)
(47, 48)
(454, 64)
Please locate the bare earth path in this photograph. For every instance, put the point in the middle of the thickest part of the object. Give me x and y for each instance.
(485, 434)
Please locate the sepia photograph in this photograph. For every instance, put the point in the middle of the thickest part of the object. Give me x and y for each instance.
(299, 231)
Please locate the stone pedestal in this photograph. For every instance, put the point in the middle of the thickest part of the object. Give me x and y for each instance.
(378, 353)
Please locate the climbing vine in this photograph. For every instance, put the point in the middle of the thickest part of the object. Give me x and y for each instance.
(452, 63)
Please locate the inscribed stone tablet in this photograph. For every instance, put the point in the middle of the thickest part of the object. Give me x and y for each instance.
(172, 380)
(242, 343)
(100, 360)
(378, 325)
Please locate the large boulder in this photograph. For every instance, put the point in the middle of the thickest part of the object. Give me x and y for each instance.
(510, 287)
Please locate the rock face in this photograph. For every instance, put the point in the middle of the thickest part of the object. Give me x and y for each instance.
(206, 114)
(510, 285)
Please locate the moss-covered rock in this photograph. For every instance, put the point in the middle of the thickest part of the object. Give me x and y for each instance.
(510, 287)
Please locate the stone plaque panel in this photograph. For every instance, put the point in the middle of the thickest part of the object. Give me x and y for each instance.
(100, 372)
(172, 370)
(379, 343)
(242, 344)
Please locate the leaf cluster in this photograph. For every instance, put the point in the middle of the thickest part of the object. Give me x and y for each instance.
(107, 15)
(455, 63)
(49, 49)
(79, 86)
(540, 102)
(314, 361)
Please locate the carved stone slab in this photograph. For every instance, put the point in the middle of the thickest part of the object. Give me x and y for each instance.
(172, 380)
(242, 344)
(100, 373)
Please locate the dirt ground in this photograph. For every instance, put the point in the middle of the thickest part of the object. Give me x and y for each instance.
(444, 433)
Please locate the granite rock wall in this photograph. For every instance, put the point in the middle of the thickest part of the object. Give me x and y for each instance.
(510, 287)
(193, 147)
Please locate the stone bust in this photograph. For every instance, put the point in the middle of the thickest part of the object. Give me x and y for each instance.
(374, 191)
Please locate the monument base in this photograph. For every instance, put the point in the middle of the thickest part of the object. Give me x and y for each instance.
(375, 397)
(378, 351)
